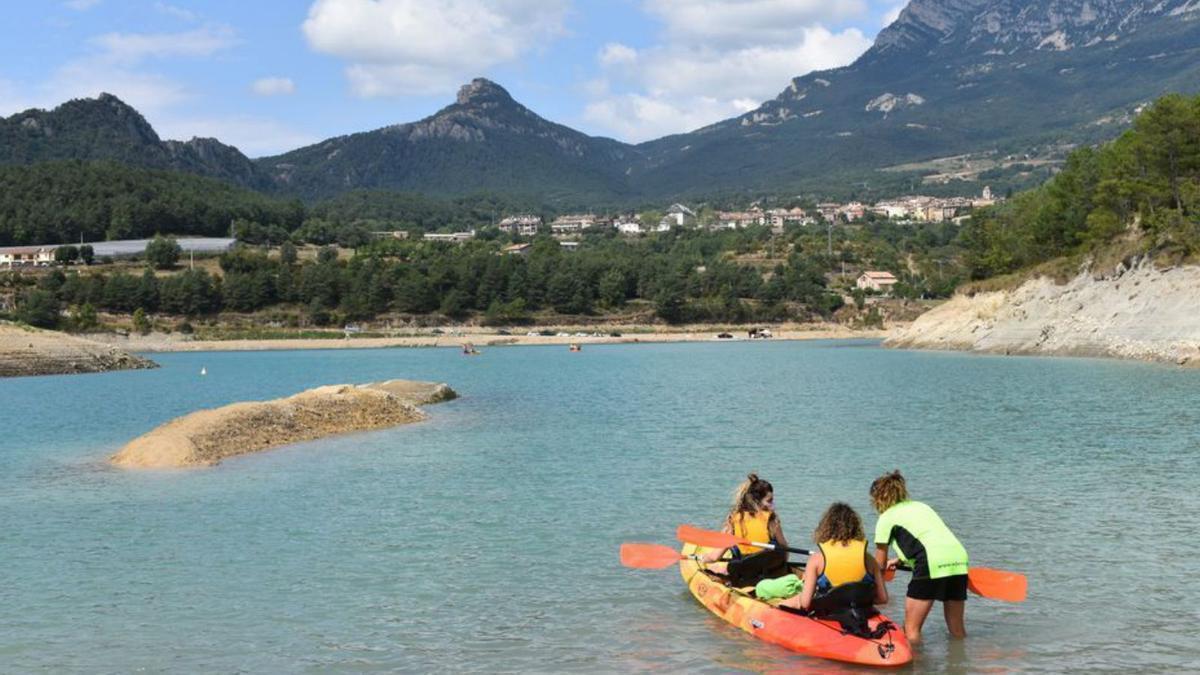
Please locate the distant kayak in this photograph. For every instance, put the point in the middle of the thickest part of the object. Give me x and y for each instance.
(803, 634)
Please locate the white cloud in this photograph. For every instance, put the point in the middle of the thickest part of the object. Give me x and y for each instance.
(273, 86)
(891, 15)
(615, 53)
(732, 23)
(177, 12)
(396, 47)
(148, 92)
(254, 136)
(81, 5)
(116, 64)
(637, 117)
(695, 77)
(11, 100)
(135, 47)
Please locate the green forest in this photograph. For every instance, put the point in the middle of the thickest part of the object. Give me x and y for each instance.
(1142, 188)
(681, 276)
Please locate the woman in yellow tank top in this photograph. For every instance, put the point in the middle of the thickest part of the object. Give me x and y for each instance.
(751, 517)
(841, 561)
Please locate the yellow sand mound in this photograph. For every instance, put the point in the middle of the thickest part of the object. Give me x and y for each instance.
(206, 437)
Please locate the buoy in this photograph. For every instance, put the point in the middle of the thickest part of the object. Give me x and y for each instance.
(203, 370)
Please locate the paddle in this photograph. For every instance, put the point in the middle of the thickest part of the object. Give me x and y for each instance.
(988, 583)
(713, 539)
(651, 556)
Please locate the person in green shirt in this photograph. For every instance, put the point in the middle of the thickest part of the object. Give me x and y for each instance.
(924, 543)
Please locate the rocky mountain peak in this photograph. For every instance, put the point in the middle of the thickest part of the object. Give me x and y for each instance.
(105, 112)
(481, 92)
(1018, 25)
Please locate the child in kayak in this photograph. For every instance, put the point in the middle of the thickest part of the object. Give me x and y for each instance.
(924, 543)
(841, 574)
(752, 517)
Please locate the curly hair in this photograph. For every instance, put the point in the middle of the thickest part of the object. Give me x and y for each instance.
(888, 490)
(839, 523)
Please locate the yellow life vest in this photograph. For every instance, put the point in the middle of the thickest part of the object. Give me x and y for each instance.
(844, 562)
(752, 526)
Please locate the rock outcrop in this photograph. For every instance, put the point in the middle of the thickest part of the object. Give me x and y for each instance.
(206, 437)
(1134, 313)
(31, 351)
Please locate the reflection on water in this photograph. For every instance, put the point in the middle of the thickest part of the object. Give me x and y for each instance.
(486, 538)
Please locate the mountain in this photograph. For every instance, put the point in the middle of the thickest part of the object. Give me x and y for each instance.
(106, 128)
(1016, 79)
(484, 141)
(953, 94)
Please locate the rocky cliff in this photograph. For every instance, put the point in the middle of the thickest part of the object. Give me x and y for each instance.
(1136, 312)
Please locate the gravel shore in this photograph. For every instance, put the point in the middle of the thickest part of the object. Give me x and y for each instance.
(28, 351)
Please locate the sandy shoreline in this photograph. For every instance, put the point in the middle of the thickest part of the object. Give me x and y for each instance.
(177, 343)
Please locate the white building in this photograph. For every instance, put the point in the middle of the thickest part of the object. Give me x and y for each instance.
(629, 225)
(880, 282)
(680, 215)
(778, 218)
(572, 223)
(523, 225)
(453, 237)
(732, 220)
(27, 255)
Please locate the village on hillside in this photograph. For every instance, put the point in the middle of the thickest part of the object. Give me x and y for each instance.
(908, 209)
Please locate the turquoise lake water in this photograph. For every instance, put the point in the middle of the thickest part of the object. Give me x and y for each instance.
(486, 538)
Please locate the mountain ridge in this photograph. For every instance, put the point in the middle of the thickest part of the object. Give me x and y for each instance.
(1011, 83)
(107, 128)
(484, 128)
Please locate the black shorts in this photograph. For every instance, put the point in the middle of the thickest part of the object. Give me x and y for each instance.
(751, 569)
(946, 588)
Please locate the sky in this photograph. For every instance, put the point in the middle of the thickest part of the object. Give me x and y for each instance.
(273, 76)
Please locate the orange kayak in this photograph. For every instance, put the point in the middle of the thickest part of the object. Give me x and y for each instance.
(802, 634)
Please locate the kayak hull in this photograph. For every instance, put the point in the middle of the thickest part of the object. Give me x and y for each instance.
(802, 634)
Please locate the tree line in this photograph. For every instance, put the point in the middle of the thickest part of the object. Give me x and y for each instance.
(1144, 185)
(681, 277)
(65, 201)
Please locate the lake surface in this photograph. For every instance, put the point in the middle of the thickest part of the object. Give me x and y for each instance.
(485, 539)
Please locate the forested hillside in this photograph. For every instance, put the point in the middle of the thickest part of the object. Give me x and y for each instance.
(61, 202)
(1143, 188)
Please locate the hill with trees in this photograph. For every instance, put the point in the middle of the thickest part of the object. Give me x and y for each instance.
(1141, 192)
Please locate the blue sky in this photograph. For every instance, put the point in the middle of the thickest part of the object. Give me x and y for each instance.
(272, 76)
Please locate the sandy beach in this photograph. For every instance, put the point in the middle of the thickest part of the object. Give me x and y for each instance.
(480, 338)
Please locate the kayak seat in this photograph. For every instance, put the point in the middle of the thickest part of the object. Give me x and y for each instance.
(858, 595)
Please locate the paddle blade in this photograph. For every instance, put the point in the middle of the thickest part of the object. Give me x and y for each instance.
(648, 556)
(997, 584)
(706, 538)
